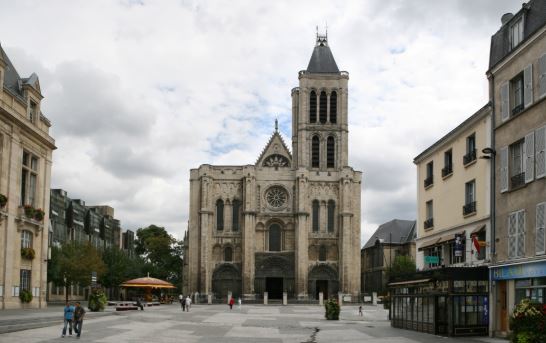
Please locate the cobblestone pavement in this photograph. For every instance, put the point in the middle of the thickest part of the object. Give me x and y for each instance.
(216, 323)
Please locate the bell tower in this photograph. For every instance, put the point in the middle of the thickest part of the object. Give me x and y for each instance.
(319, 112)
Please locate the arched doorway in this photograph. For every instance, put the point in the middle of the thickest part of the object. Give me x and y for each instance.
(274, 274)
(323, 278)
(226, 278)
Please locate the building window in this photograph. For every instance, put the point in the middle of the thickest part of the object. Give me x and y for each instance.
(516, 33)
(228, 254)
(433, 256)
(32, 113)
(322, 107)
(236, 210)
(26, 239)
(470, 155)
(322, 253)
(516, 87)
(331, 215)
(517, 173)
(430, 174)
(457, 249)
(29, 175)
(313, 107)
(516, 234)
(330, 152)
(448, 163)
(219, 215)
(333, 107)
(316, 215)
(429, 222)
(25, 279)
(274, 237)
(469, 198)
(315, 152)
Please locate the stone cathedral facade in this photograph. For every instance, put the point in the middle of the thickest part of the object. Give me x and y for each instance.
(291, 221)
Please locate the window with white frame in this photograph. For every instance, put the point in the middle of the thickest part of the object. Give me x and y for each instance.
(25, 279)
(516, 87)
(516, 33)
(540, 239)
(470, 198)
(29, 176)
(26, 239)
(516, 234)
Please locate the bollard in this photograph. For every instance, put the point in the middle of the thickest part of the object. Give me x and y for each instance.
(321, 298)
(265, 298)
(229, 295)
(285, 298)
(374, 298)
(209, 299)
(340, 299)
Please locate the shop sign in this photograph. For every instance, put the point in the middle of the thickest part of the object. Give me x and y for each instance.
(485, 312)
(459, 247)
(432, 259)
(519, 271)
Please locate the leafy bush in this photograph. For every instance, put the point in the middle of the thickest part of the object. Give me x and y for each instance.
(332, 310)
(29, 211)
(25, 295)
(39, 214)
(97, 300)
(28, 253)
(3, 200)
(528, 323)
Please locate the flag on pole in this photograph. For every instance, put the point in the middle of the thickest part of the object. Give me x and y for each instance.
(476, 243)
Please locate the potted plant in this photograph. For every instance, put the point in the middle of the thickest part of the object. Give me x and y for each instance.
(528, 323)
(29, 211)
(3, 200)
(97, 300)
(28, 253)
(25, 295)
(332, 310)
(39, 214)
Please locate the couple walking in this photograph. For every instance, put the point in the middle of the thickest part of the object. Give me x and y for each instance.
(185, 302)
(73, 316)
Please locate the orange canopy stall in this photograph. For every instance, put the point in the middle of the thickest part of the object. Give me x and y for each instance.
(148, 283)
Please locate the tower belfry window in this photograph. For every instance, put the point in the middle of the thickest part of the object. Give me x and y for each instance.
(313, 107)
(322, 107)
(330, 152)
(315, 152)
(333, 107)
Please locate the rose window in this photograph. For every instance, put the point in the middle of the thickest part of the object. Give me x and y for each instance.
(276, 196)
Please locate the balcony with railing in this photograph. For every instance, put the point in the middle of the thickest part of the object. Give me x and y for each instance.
(469, 157)
(517, 180)
(428, 223)
(447, 170)
(469, 208)
(516, 110)
(429, 181)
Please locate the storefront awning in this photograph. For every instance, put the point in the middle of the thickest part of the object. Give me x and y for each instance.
(429, 243)
(450, 237)
(411, 282)
(478, 229)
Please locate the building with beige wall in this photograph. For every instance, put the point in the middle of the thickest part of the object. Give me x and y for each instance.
(291, 221)
(25, 172)
(517, 79)
(453, 196)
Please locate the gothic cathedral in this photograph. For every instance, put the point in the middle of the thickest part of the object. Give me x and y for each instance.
(291, 221)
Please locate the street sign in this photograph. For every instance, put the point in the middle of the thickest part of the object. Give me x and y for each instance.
(93, 278)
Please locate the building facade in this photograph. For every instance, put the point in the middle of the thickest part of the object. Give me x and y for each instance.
(453, 197)
(517, 80)
(290, 222)
(391, 239)
(25, 171)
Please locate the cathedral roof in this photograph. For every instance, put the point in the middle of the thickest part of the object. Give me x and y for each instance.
(322, 60)
(275, 147)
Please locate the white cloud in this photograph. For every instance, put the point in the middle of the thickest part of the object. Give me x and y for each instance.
(140, 92)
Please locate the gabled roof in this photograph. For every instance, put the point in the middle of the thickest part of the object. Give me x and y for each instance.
(322, 60)
(396, 231)
(12, 80)
(275, 146)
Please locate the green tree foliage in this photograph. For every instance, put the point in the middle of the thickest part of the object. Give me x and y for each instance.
(401, 265)
(120, 267)
(73, 263)
(161, 252)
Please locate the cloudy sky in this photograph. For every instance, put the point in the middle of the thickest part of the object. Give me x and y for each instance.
(139, 92)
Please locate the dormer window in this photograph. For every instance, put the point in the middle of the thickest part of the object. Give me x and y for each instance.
(516, 32)
(32, 113)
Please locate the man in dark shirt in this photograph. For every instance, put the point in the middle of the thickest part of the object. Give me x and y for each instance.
(79, 313)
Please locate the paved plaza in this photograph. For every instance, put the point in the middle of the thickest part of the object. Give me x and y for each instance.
(216, 323)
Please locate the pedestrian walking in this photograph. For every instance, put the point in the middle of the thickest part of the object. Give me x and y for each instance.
(79, 313)
(360, 310)
(240, 303)
(139, 304)
(181, 301)
(68, 318)
(188, 303)
(183, 304)
(231, 302)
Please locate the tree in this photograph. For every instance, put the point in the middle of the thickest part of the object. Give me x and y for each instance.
(161, 252)
(73, 263)
(401, 265)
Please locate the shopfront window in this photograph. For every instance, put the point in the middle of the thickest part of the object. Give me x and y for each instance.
(532, 289)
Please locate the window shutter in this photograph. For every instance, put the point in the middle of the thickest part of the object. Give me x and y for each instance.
(529, 157)
(540, 151)
(528, 85)
(542, 76)
(504, 169)
(504, 103)
(540, 239)
(521, 234)
(512, 235)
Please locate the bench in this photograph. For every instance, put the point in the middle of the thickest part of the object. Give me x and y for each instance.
(126, 306)
(152, 303)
